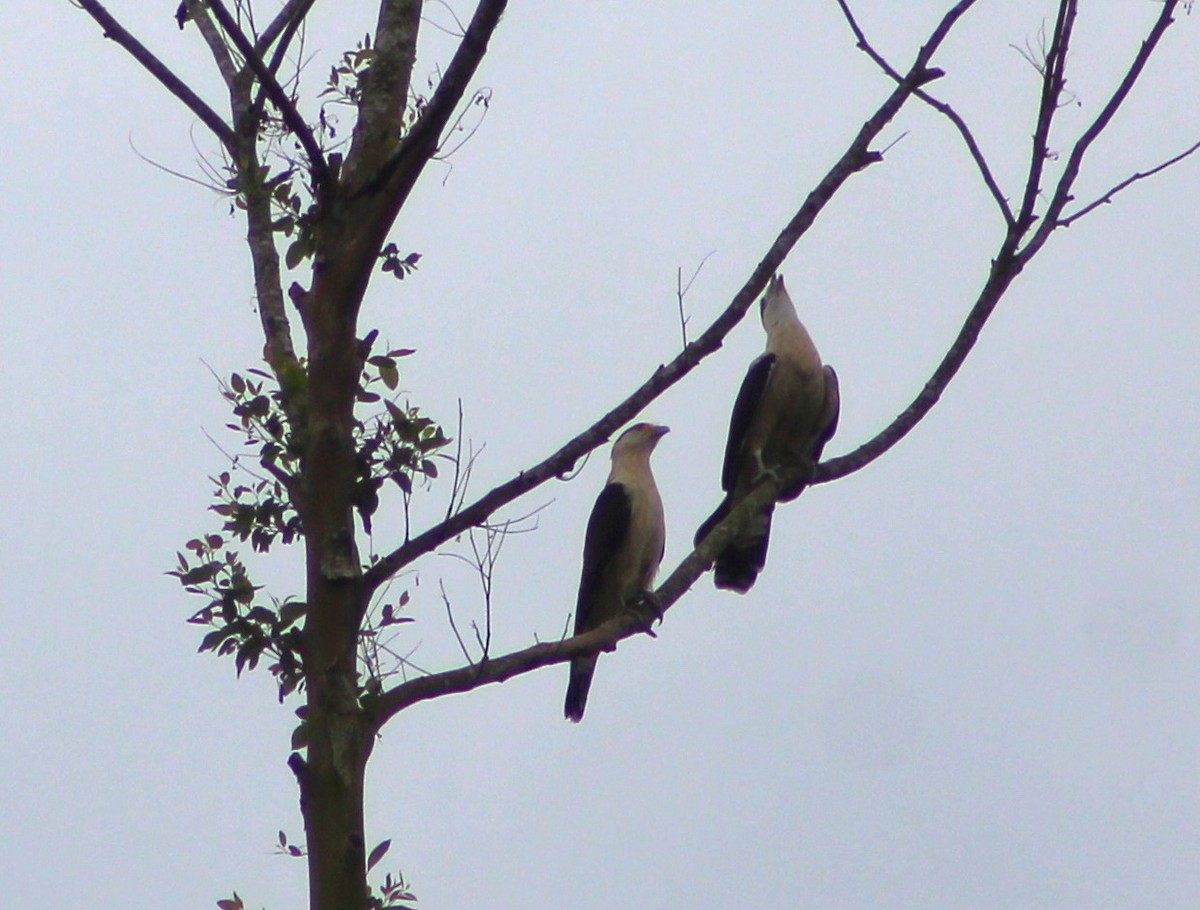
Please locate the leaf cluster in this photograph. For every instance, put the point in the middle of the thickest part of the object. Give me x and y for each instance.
(395, 443)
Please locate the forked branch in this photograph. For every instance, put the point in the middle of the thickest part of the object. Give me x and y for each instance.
(114, 31)
(1011, 258)
(856, 157)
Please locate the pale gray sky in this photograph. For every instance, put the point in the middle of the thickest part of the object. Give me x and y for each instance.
(969, 676)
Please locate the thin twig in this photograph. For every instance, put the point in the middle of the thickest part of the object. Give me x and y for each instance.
(856, 157)
(453, 625)
(681, 290)
(1066, 182)
(286, 107)
(1053, 77)
(1125, 184)
(942, 108)
(284, 24)
(159, 70)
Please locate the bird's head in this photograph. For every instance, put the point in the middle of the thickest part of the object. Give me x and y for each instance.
(775, 303)
(641, 437)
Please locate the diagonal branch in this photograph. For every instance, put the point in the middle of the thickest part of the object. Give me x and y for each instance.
(1125, 184)
(287, 109)
(1005, 268)
(602, 638)
(941, 107)
(856, 157)
(159, 70)
(1062, 191)
(404, 166)
(1011, 259)
(283, 26)
(1053, 78)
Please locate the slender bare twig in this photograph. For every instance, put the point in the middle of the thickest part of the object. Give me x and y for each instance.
(462, 29)
(211, 184)
(856, 157)
(1053, 78)
(295, 123)
(159, 70)
(1066, 182)
(284, 25)
(1125, 184)
(605, 637)
(481, 99)
(1011, 258)
(453, 625)
(941, 107)
(681, 290)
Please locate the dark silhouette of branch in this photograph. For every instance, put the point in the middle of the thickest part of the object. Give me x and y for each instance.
(279, 97)
(636, 621)
(422, 140)
(283, 27)
(1107, 198)
(1062, 192)
(941, 107)
(1011, 258)
(856, 157)
(1005, 267)
(160, 71)
(1053, 77)
(938, 105)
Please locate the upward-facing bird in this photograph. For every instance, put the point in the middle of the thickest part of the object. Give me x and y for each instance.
(621, 550)
(785, 412)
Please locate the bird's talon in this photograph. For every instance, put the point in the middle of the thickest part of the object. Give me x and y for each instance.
(646, 623)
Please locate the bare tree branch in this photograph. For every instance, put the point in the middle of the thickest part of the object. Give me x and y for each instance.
(405, 165)
(159, 70)
(287, 109)
(855, 158)
(637, 620)
(1062, 192)
(1125, 184)
(1011, 258)
(1005, 268)
(1053, 78)
(283, 26)
(941, 107)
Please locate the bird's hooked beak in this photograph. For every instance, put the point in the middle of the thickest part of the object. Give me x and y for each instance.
(774, 288)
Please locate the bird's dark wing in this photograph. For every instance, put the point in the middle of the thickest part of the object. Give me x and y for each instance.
(607, 529)
(744, 407)
(830, 411)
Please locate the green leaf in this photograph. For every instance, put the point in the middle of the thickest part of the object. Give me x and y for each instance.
(290, 612)
(377, 854)
(300, 250)
(300, 736)
(213, 638)
(390, 376)
(200, 574)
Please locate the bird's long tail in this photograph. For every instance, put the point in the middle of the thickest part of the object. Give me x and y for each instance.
(582, 669)
(711, 522)
(737, 566)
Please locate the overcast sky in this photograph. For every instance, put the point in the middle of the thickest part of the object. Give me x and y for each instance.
(969, 675)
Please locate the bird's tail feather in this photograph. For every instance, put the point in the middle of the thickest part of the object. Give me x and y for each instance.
(738, 565)
(582, 669)
(711, 522)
